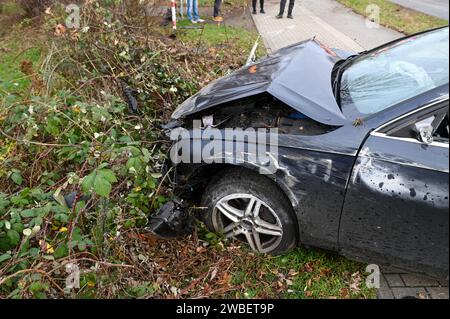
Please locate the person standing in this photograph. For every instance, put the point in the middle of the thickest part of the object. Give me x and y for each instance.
(283, 6)
(255, 2)
(217, 16)
(192, 11)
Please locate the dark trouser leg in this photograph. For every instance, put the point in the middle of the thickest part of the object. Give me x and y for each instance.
(291, 6)
(217, 5)
(262, 4)
(254, 2)
(282, 6)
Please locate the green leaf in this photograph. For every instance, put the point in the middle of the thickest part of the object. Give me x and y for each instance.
(38, 221)
(102, 186)
(82, 246)
(63, 218)
(61, 251)
(76, 235)
(13, 237)
(108, 175)
(4, 257)
(100, 181)
(27, 213)
(135, 163)
(88, 182)
(17, 178)
(18, 227)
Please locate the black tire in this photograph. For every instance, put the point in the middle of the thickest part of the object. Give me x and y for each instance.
(236, 181)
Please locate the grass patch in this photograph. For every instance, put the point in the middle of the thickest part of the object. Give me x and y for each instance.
(10, 8)
(220, 36)
(225, 3)
(11, 55)
(302, 274)
(397, 17)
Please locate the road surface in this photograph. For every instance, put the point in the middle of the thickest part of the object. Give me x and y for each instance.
(437, 8)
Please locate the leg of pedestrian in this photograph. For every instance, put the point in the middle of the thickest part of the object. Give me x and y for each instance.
(189, 9)
(254, 2)
(196, 13)
(262, 6)
(217, 16)
(282, 7)
(291, 8)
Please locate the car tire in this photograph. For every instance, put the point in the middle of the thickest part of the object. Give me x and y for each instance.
(249, 207)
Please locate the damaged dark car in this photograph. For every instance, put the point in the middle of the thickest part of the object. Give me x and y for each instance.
(361, 160)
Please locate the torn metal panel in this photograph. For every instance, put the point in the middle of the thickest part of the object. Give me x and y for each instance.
(299, 75)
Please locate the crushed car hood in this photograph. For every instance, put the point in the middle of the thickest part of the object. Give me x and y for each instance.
(298, 75)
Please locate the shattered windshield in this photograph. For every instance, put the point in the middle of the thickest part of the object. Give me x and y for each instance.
(395, 73)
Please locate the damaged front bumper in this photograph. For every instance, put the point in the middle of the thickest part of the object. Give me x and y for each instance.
(171, 221)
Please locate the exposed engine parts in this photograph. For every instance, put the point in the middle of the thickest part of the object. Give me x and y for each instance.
(260, 112)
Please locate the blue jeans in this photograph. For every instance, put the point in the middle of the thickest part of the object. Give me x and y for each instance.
(192, 8)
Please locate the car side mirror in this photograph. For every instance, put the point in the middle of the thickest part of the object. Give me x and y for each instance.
(424, 130)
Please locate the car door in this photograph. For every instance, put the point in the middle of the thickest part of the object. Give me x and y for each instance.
(396, 203)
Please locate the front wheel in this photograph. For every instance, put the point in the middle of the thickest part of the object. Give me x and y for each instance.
(249, 207)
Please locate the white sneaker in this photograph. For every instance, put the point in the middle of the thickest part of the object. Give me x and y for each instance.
(194, 21)
(200, 20)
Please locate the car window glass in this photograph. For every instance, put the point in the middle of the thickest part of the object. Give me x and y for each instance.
(406, 129)
(395, 73)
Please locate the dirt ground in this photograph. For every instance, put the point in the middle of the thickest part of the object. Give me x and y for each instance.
(240, 17)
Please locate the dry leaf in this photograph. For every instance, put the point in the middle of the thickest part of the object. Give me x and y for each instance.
(252, 69)
(344, 293)
(356, 282)
(213, 274)
(60, 30)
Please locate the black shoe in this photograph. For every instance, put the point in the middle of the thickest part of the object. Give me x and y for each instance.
(280, 16)
(254, 11)
(290, 16)
(262, 11)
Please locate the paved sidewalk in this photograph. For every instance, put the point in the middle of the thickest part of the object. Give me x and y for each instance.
(396, 284)
(307, 24)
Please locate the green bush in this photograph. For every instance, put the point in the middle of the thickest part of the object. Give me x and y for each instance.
(70, 131)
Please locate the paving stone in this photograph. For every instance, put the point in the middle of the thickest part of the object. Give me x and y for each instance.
(305, 25)
(412, 280)
(392, 270)
(384, 292)
(438, 292)
(407, 292)
(394, 280)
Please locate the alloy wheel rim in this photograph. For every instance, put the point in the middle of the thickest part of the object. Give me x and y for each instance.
(250, 219)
